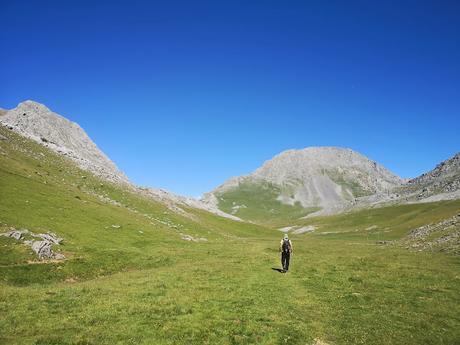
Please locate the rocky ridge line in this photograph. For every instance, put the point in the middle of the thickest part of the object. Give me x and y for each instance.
(35, 121)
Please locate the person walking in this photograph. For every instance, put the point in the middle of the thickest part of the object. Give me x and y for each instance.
(286, 251)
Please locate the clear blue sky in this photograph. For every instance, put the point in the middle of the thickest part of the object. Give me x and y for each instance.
(183, 95)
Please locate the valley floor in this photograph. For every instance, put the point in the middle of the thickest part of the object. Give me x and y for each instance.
(227, 293)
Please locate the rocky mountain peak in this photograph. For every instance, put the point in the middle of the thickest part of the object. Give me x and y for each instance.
(37, 122)
(295, 167)
(330, 178)
(300, 164)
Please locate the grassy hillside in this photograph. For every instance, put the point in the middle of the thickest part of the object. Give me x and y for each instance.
(386, 223)
(257, 201)
(142, 284)
(42, 192)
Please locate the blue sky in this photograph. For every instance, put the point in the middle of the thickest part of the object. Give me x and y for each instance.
(183, 95)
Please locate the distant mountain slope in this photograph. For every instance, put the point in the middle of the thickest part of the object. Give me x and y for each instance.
(301, 181)
(37, 122)
(441, 183)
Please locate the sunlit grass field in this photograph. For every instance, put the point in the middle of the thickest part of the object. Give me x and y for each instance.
(140, 283)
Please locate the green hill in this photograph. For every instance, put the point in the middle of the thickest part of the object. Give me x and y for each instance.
(129, 277)
(258, 202)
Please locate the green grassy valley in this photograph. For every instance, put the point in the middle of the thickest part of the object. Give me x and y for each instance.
(129, 277)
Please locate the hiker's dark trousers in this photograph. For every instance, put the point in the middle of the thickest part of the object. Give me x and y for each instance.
(285, 257)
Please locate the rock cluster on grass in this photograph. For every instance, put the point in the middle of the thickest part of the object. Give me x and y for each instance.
(43, 247)
(16, 234)
(426, 230)
(444, 235)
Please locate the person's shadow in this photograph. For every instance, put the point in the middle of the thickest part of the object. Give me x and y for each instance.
(280, 270)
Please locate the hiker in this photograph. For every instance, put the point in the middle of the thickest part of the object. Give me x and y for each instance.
(286, 251)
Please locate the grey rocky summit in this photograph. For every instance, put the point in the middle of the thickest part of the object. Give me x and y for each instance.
(331, 178)
(37, 122)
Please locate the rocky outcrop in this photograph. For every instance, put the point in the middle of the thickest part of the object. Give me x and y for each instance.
(37, 122)
(440, 236)
(16, 234)
(43, 248)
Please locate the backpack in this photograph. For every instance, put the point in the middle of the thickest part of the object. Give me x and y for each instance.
(286, 245)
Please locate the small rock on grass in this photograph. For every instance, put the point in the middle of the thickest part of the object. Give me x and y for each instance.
(16, 234)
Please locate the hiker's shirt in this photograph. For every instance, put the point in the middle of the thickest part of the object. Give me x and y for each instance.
(290, 246)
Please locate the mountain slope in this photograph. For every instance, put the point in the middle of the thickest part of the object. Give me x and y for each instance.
(441, 183)
(37, 122)
(297, 182)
